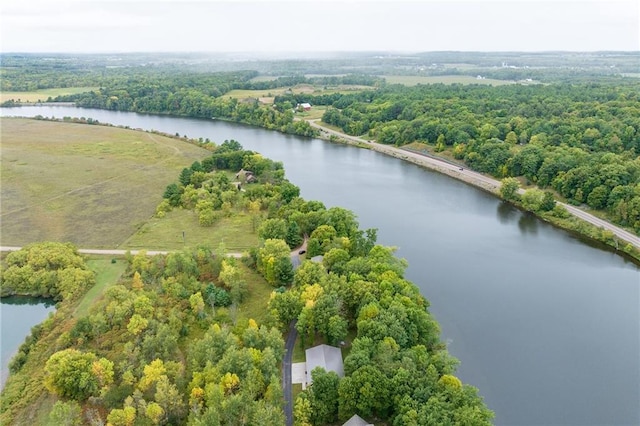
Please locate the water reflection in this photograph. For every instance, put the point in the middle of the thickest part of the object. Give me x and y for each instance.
(27, 300)
(528, 224)
(507, 213)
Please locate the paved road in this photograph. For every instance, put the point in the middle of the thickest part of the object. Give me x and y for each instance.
(286, 373)
(472, 177)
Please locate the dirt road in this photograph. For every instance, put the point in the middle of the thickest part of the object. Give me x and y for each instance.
(115, 252)
(468, 176)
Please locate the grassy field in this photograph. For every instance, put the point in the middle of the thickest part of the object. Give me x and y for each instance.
(315, 113)
(166, 233)
(412, 80)
(254, 305)
(42, 95)
(91, 185)
(107, 274)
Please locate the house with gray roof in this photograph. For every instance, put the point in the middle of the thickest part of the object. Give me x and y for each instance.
(356, 420)
(325, 356)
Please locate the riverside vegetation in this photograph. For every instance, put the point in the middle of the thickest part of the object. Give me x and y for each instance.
(577, 135)
(195, 337)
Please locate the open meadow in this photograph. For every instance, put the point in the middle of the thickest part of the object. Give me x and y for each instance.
(236, 232)
(42, 95)
(91, 185)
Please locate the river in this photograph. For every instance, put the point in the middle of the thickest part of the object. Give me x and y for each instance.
(546, 325)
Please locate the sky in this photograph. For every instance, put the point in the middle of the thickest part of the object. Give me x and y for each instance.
(317, 25)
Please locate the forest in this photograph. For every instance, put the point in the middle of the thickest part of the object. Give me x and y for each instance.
(170, 342)
(579, 140)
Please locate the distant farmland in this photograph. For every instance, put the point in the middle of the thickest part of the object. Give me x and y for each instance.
(412, 80)
(267, 95)
(42, 95)
(91, 185)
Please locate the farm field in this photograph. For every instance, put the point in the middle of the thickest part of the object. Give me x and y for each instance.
(42, 95)
(91, 185)
(266, 96)
(412, 80)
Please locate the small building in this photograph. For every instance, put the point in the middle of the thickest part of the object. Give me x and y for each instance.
(305, 106)
(325, 356)
(245, 175)
(356, 420)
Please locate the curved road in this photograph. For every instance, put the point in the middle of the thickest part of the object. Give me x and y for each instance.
(470, 177)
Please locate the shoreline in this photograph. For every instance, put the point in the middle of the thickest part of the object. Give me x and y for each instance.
(630, 242)
(492, 186)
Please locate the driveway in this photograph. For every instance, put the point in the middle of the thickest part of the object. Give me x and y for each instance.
(286, 373)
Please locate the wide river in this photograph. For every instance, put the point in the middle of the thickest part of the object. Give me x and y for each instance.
(546, 325)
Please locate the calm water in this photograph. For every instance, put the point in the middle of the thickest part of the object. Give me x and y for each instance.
(17, 316)
(545, 325)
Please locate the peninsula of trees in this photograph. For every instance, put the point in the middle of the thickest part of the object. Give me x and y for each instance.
(172, 342)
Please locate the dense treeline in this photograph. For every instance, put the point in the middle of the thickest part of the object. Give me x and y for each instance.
(397, 369)
(192, 95)
(49, 269)
(157, 348)
(580, 140)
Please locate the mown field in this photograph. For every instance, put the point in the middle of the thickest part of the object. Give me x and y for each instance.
(236, 232)
(42, 95)
(412, 80)
(91, 185)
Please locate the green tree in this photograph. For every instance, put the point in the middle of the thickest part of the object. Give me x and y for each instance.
(137, 324)
(122, 417)
(271, 261)
(597, 198)
(302, 412)
(273, 228)
(548, 201)
(286, 306)
(511, 138)
(197, 304)
(207, 217)
(69, 373)
(509, 188)
(293, 237)
(337, 329)
(532, 199)
(65, 413)
(284, 271)
(323, 395)
(155, 413)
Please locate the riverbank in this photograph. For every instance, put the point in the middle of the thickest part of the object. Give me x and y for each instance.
(583, 223)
